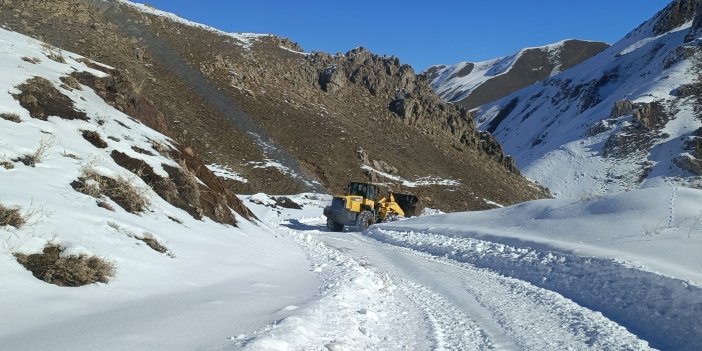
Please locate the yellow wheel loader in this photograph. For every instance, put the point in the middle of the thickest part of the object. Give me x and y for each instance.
(362, 206)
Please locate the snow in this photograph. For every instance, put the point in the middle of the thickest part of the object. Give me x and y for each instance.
(246, 40)
(421, 181)
(215, 282)
(225, 172)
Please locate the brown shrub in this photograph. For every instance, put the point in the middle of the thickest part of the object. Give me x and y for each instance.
(12, 117)
(11, 216)
(71, 271)
(7, 165)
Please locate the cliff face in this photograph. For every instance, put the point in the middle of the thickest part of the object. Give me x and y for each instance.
(284, 120)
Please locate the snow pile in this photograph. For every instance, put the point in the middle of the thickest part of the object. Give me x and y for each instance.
(213, 281)
(567, 133)
(245, 39)
(633, 256)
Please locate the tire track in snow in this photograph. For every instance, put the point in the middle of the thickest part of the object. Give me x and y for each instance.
(451, 328)
(534, 318)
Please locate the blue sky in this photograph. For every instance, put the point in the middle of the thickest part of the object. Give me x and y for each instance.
(423, 33)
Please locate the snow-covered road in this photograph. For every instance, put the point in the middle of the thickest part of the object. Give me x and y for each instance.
(507, 313)
(386, 297)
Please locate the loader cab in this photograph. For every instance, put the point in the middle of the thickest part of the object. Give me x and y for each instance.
(368, 191)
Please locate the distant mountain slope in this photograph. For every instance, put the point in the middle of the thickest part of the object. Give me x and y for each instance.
(274, 118)
(627, 118)
(472, 84)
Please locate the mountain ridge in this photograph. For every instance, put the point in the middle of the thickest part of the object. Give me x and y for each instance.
(471, 84)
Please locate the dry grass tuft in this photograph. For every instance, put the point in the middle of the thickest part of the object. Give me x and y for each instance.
(33, 60)
(122, 191)
(151, 242)
(190, 187)
(38, 155)
(7, 165)
(53, 53)
(12, 117)
(11, 216)
(70, 271)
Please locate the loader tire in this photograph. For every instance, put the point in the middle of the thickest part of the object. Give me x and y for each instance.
(333, 226)
(364, 220)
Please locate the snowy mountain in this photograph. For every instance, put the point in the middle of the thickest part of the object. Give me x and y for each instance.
(472, 84)
(627, 118)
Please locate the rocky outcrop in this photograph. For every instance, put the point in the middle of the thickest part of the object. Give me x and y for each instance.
(409, 97)
(674, 15)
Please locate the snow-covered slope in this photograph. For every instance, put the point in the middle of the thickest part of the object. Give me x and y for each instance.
(475, 83)
(633, 256)
(212, 281)
(621, 120)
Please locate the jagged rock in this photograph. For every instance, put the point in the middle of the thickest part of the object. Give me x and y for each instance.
(696, 29)
(332, 79)
(621, 108)
(492, 147)
(384, 167)
(689, 163)
(675, 15)
(650, 115)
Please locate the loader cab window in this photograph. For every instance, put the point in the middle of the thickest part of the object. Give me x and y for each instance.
(368, 191)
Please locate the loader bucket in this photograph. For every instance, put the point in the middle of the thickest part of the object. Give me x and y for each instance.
(408, 203)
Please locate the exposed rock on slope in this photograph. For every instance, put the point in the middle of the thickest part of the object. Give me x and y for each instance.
(624, 119)
(473, 84)
(283, 120)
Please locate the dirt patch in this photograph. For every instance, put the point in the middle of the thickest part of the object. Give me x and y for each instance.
(42, 100)
(142, 151)
(94, 138)
(71, 271)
